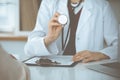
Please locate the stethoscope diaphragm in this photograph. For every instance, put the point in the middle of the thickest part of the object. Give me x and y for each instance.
(62, 19)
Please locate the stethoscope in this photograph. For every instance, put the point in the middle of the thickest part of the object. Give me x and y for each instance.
(62, 19)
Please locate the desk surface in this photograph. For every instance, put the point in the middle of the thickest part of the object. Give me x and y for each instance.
(79, 72)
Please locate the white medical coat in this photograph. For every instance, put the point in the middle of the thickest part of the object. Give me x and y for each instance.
(97, 29)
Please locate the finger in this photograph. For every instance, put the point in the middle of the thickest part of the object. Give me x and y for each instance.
(89, 59)
(56, 14)
(75, 57)
(55, 24)
(80, 55)
(79, 58)
(54, 19)
(77, 54)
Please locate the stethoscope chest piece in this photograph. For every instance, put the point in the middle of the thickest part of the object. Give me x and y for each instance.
(62, 19)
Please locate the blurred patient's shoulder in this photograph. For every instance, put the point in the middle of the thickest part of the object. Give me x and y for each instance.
(11, 69)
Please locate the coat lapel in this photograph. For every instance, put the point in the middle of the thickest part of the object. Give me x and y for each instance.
(85, 15)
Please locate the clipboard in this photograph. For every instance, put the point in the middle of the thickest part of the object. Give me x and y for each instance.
(56, 61)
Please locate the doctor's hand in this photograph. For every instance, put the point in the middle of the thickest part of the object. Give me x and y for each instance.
(54, 29)
(88, 56)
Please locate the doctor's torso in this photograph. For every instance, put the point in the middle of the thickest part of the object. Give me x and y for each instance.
(90, 29)
(96, 26)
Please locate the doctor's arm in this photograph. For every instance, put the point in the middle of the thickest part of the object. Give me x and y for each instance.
(110, 33)
(41, 41)
(111, 39)
(54, 30)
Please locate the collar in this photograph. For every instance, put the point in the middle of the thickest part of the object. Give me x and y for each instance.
(77, 9)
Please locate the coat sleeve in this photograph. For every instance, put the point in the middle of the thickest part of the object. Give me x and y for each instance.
(35, 45)
(110, 32)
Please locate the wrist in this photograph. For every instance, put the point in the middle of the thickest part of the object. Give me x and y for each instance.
(48, 40)
(105, 56)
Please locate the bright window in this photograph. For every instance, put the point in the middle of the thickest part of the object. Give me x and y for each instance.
(9, 15)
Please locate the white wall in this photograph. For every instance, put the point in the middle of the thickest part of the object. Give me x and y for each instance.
(116, 7)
